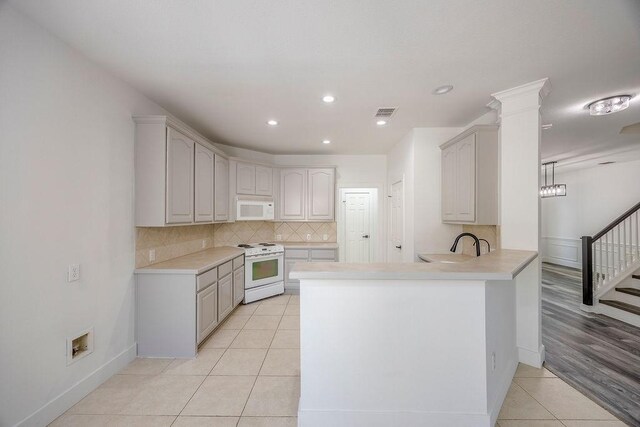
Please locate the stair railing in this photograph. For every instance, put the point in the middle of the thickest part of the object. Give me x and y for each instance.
(609, 253)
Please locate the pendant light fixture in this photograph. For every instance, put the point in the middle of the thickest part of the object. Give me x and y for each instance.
(553, 190)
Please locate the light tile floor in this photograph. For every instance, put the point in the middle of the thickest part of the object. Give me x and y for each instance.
(247, 374)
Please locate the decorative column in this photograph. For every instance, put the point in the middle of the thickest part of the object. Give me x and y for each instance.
(520, 205)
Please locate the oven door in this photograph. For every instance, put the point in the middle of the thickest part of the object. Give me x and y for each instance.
(263, 270)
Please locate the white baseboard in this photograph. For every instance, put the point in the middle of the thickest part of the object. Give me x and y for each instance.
(531, 358)
(65, 400)
(340, 418)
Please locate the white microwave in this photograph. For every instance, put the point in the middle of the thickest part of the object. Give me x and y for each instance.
(254, 210)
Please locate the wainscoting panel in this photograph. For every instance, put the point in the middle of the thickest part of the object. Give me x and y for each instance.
(562, 251)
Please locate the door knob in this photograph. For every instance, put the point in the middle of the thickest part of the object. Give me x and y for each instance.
(366, 236)
(399, 247)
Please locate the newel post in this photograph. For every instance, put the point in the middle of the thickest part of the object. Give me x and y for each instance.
(587, 270)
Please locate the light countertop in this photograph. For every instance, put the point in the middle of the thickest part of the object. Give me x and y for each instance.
(502, 264)
(194, 263)
(310, 245)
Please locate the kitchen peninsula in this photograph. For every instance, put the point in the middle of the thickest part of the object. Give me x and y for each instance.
(410, 343)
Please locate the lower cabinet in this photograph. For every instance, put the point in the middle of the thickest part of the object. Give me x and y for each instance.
(207, 311)
(300, 255)
(176, 312)
(225, 296)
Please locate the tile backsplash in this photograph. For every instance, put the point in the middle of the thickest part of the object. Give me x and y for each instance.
(171, 242)
(230, 234)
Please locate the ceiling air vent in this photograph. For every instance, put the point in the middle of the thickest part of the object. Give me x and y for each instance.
(385, 112)
(606, 163)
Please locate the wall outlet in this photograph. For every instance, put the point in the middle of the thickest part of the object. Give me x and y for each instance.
(308, 236)
(278, 236)
(325, 237)
(152, 254)
(493, 361)
(204, 243)
(74, 273)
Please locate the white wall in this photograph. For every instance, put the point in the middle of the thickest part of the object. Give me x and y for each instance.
(66, 191)
(416, 158)
(595, 197)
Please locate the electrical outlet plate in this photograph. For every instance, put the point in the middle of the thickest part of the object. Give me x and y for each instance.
(204, 243)
(73, 273)
(152, 255)
(325, 237)
(308, 236)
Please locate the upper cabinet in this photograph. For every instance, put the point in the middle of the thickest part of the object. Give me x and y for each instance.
(254, 179)
(307, 194)
(222, 188)
(177, 175)
(204, 195)
(470, 177)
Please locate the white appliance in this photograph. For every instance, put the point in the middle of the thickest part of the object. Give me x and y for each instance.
(252, 209)
(263, 270)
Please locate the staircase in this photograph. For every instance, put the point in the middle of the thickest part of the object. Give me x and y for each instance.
(611, 269)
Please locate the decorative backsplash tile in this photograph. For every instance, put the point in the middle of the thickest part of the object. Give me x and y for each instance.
(171, 242)
(299, 231)
(234, 233)
(488, 232)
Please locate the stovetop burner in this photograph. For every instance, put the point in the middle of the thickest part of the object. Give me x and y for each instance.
(244, 245)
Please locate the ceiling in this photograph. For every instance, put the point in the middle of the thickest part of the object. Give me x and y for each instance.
(226, 67)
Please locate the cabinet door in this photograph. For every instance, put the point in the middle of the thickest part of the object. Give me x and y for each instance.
(449, 183)
(222, 189)
(466, 179)
(238, 285)
(264, 181)
(293, 184)
(225, 296)
(321, 194)
(288, 266)
(245, 179)
(207, 312)
(204, 184)
(179, 204)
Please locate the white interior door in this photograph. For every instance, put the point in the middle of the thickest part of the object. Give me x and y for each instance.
(397, 222)
(358, 227)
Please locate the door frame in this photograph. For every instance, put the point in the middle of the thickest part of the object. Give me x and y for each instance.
(389, 243)
(373, 212)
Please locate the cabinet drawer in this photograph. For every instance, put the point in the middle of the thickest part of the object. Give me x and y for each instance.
(206, 279)
(225, 269)
(323, 254)
(238, 262)
(296, 253)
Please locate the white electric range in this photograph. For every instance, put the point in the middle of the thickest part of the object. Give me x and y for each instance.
(263, 270)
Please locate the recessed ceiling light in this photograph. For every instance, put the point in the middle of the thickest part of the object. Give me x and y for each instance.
(547, 126)
(328, 99)
(381, 122)
(272, 122)
(326, 141)
(613, 104)
(442, 90)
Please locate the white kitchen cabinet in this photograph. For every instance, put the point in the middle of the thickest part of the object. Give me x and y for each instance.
(264, 181)
(245, 178)
(470, 177)
(179, 178)
(174, 174)
(307, 194)
(204, 174)
(299, 255)
(321, 194)
(221, 188)
(207, 311)
(238, 285)
(293, 191)
(225, 296)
